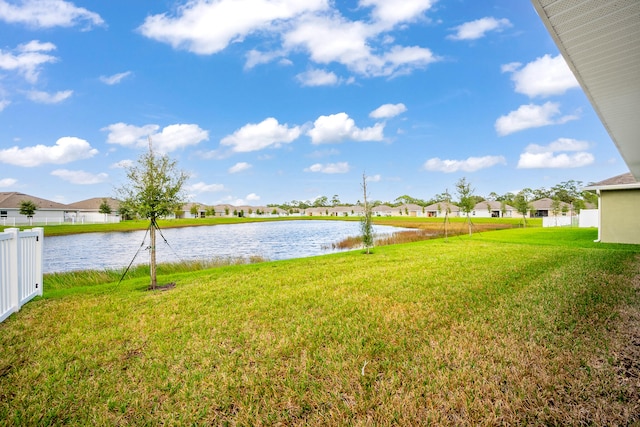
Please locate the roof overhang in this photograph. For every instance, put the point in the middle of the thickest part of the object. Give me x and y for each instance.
(635, 186)
(600, 40)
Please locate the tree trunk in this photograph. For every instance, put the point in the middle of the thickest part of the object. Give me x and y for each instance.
(152, 262)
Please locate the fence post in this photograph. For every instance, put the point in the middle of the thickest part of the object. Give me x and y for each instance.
(14, 262)
(39, 255)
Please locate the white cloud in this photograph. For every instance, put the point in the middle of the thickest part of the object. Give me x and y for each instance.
(392, 13)
(387, 111)
(256, 57)
(239, 167)
(314, 27)
(206, 27)
(129, 135)
(4, 103)
(318, 78)
(510, 67)
(8, 182)
(27, 59)
(374, 178)
(254, 137)
(201, 187)
(539, 156)
(66, 150)
(546, 76)
(47, 14)
(531, 116)
(49, 98)
(329, 39)
(477, 29)
(80, 177)
(549, 160)
(178, 136)
(324, 153)
(252, 197)
(329, 168)
(560, 144)
(471, 164)
(122, 164)
(169, 139)
(114, 79)
(339, 127)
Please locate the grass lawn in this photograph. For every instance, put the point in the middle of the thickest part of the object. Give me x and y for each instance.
(522, 326)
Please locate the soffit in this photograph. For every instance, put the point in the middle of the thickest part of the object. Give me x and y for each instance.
(600, 40)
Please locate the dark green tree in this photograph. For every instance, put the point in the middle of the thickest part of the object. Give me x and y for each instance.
(154, 190)
(105, 209)
(28, 208)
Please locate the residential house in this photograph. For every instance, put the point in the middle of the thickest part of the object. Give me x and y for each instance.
(47, 211)
(441, 209)
(411, 209)
(619, 204)
(545, 207)
(88, 211)
(384, 210)
(493, 209)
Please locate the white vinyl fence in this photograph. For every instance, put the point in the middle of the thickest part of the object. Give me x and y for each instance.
(20, 268)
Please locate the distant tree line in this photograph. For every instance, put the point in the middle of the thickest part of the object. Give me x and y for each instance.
(568, 192)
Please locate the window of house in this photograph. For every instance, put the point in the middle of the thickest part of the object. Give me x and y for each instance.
(3, 214)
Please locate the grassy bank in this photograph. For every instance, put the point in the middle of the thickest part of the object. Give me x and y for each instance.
(508, 327)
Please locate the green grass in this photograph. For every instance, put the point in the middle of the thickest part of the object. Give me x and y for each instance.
(522, 326)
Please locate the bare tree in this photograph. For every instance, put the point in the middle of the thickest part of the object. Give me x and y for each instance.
(366, 224)
(154, 190)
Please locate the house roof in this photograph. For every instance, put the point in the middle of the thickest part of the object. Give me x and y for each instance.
(546, 204)
(442, 207)
(493, 204)
(382, 208)
(12, 200)
(600, 40)
(94, 204)
(625, 181)
(410, 207)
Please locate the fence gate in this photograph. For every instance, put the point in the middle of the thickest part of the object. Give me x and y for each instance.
(20, 268)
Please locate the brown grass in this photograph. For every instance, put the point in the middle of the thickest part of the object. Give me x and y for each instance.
(422, 231)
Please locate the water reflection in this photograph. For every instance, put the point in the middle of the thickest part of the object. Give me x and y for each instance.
(270, 240)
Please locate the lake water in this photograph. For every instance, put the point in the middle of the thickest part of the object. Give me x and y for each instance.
(270, 240)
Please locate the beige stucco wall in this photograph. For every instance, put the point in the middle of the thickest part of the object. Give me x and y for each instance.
(619, 218)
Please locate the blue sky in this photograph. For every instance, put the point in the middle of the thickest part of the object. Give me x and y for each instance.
(269, 101)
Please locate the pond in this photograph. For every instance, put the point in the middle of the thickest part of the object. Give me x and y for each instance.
(270, 240)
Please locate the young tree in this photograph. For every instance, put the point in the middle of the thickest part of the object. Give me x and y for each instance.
(467, 199)
(154, 190)
(194, 210)
(28, 209)
(522, 204)
(366, 224)
(446, 198)
(104, 209)
(126, 211)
